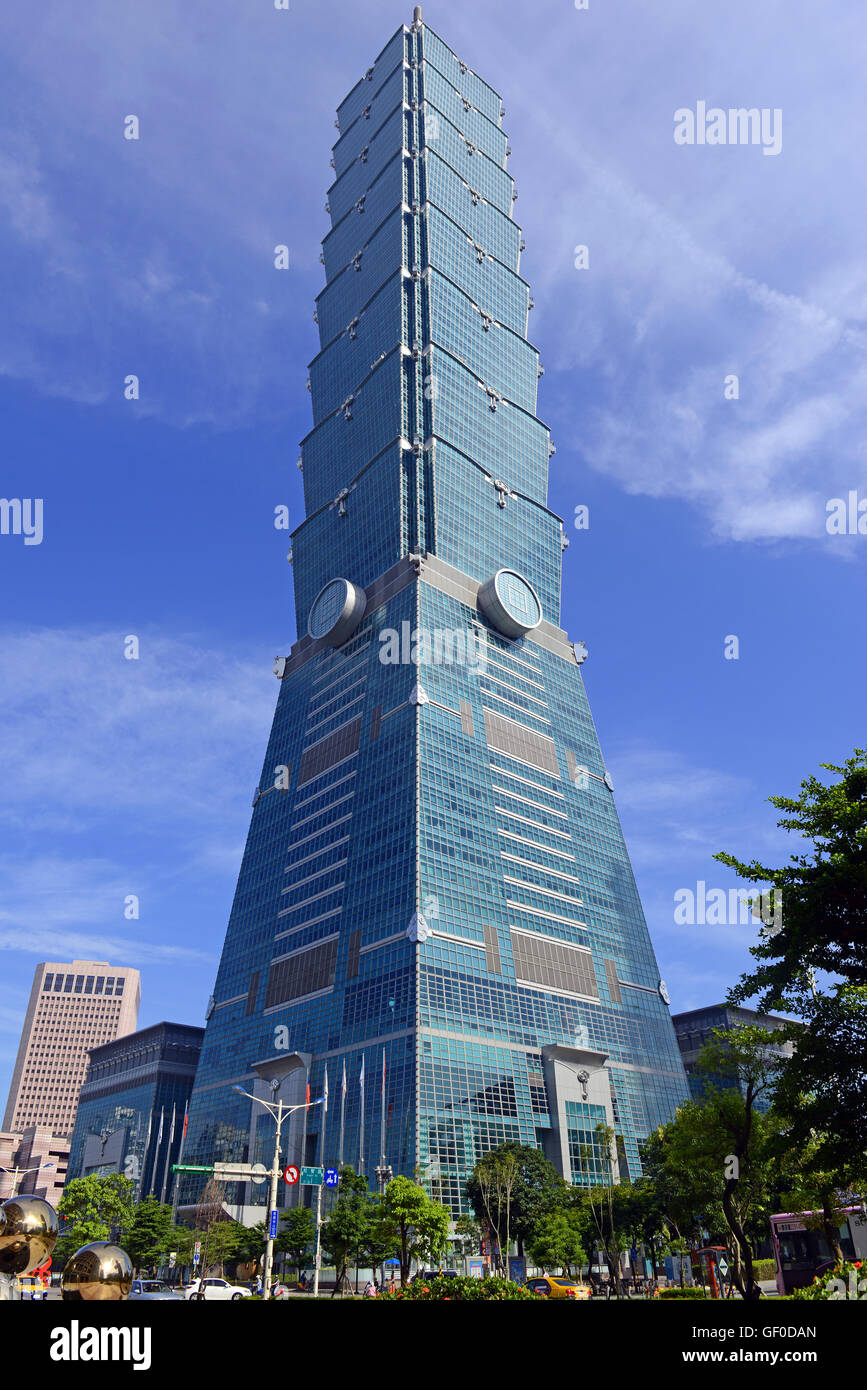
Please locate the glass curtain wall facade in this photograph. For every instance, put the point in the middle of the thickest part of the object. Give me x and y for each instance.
(132, 1107)
(435, 901)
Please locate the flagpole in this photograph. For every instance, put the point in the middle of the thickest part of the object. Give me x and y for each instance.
(168, 1154)
(361, 1134)
(144, 1157)
(157, 1154)
(180, 1159)
(304, 1135)
(324, 1118)
(317, 1256)
(382, 1116)
(342, 1116)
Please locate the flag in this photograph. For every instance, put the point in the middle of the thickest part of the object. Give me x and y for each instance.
(160, 1135)
(172, 1129)
(325, 1106)
(308, 1093)
(361, 1075)
(383, 1072)
(343, 1088)
(186, 1117)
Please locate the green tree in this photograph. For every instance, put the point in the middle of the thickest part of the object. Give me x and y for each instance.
(822, 929)
(514, 1186)
(822, 1193)
(346, 1231)
(723, 1145)
(417, 1226)
(643, 1216)
(601, 1197)
(468, 1234)
(297, 1235)
(249, 1245)
(92, 1207)
(557, 1242)
(148, 1236)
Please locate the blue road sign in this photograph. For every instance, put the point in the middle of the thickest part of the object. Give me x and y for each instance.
(330, 1177)
(272, 1226)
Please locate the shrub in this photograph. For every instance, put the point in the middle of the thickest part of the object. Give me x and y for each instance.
(836, 1283)
(765, 1269)
(682, 1293)
(460, 1290)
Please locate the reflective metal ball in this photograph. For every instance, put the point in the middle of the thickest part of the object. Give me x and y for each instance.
(97, 1271)
(27, 1235)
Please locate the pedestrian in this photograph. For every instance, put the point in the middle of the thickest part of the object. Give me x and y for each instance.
(370, 1289)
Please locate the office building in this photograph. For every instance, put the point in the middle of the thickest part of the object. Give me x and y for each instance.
(697, 1027)
(133, 1105)
(33, 1162)
(73, 1006)
(435, 901)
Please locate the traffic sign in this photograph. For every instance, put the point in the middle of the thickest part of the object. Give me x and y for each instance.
(272, 1225)
(290, 1174)
(240, 1172)
(189, 1168)
(330, 1177)
(312, 1177)
(723, 1268)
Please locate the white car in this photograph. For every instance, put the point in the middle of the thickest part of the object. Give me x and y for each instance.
(215, 1289)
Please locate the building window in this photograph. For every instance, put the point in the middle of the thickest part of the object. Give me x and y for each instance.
(540, 960)
(47, 982)
(305, 972)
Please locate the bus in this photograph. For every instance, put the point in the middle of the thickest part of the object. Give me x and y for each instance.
(801, 1251)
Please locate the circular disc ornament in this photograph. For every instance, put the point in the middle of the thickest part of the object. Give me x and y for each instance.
(510, 604)
(336, 612)
(28, 1232)
(99, 1272)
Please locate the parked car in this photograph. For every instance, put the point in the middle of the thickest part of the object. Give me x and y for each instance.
(550, 1286)
(435, 1274)
(214, 1289)
(153, 1290)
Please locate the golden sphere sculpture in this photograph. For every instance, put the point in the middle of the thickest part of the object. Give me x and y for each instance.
(28, 1233)
(99, 1271)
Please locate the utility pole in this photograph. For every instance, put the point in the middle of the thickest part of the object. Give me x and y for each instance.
(384, 1175)
(278, 1111)
(317, 1255)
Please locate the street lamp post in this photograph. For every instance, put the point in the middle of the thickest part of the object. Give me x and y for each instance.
(384, 1176)
(279, 1111)
(18, 1173)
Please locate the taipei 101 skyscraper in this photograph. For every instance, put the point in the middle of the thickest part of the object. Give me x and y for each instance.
(436, 922)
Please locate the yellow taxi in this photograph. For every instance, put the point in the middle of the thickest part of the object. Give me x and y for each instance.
(553, 1286)
(30, 1286)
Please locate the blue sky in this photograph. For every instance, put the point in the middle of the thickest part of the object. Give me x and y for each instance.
(155, 257)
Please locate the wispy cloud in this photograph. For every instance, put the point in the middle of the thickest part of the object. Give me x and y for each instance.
(88, 734)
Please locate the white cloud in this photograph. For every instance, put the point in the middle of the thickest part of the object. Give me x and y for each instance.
(86, 733)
